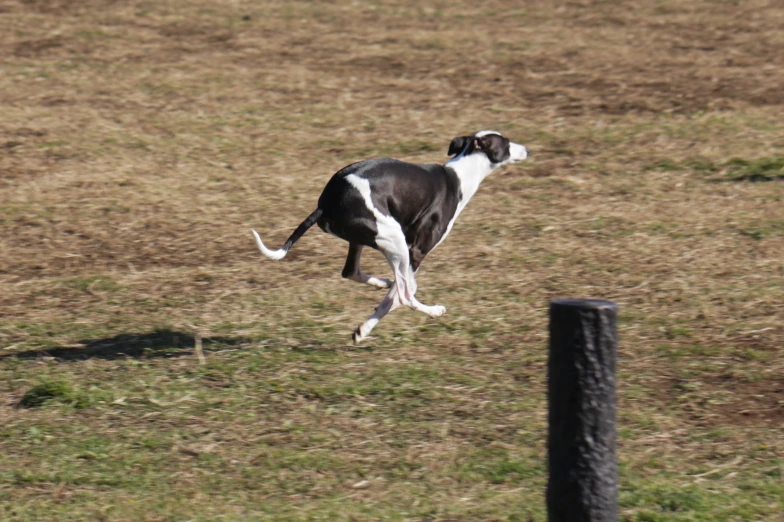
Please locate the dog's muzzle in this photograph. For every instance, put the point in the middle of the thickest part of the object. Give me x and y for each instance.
(517, 152)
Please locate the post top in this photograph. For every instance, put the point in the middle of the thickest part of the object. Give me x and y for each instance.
(594, 304)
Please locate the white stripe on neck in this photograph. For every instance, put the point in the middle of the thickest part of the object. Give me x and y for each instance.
(470, 170)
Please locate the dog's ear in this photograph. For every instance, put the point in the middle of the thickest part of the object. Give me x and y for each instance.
(457, 145)
(495, 146)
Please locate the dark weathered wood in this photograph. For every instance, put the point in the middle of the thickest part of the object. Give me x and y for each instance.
(583, 483)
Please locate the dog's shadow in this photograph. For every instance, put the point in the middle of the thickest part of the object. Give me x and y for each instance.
(751, 178)
(162, 343)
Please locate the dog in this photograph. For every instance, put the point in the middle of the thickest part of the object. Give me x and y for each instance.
(403, 210)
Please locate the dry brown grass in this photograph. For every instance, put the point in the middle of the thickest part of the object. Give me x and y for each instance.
(140, 141)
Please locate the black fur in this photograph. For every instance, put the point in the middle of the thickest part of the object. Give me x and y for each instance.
(495, 146)
(457, 145)
(421, 198)
(301, 229)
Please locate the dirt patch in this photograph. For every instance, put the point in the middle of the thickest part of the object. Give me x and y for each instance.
(758, 403)
(716, 399)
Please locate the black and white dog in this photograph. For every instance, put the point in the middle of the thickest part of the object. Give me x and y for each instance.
(404, 211)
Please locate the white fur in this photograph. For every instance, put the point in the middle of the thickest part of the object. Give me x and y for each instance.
(378, 282)
(485, 133)
(389, 303)
(388, 228)
(272, 254)
(471, 170)
(517, 153)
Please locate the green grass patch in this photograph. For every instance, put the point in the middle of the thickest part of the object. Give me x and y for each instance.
(763, 169)
(91, 284)
(63, 392)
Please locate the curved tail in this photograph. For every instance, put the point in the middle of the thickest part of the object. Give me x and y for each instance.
(301, 229)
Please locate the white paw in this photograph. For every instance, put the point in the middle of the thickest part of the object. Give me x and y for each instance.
(382, 283)
(437, 311)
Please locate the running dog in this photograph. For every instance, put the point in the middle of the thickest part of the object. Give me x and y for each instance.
(403, 210)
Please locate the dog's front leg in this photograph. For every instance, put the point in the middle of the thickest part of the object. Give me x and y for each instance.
(395, 250)
(389, 303)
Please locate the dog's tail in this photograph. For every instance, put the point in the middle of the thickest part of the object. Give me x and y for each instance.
(301, 229)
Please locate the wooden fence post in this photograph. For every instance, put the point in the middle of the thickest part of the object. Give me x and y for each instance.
(583, 482)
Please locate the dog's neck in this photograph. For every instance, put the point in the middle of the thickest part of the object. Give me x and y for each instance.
(470, 170)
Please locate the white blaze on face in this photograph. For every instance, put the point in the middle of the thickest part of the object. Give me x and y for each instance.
(485, 133)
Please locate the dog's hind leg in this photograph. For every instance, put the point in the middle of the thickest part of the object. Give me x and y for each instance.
(351, 269)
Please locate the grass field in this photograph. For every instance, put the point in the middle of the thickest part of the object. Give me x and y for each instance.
(140, 141)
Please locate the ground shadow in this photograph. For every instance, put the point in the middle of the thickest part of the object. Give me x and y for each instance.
(325, 348)
(162, 343)
(751, 178)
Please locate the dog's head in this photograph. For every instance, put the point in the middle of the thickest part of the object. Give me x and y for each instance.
(498, 149)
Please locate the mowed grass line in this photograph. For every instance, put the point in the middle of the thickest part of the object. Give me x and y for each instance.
(140, 142)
